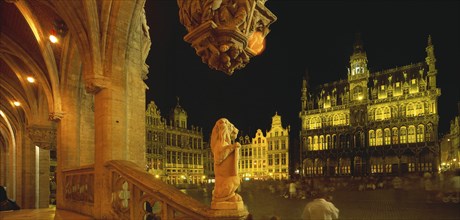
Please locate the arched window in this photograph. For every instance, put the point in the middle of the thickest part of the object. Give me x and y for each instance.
(379, 136)
(429, 132)
(321, 142)
(371, 138)
(410, 111)
(403, 135)
(379, 114)
(419, 109)
(387, 138)
(420, 133)
(386, 113)
(328, 141)
(315, 143)
(411, 134)
(336, 120)
(395, 135)
(334, 141)
(310, 143)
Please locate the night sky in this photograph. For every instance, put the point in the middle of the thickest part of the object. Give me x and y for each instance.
(313, 35)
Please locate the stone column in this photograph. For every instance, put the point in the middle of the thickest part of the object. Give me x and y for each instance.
(43, 137)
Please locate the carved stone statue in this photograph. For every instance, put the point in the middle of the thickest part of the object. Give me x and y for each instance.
(225, 166)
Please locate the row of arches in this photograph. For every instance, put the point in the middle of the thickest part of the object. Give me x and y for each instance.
(376, 137)
(360, 165)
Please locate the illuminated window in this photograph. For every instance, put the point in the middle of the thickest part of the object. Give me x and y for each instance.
(413, 81)
(410, 111)
(429, 132)
(328, 141)
(387, 136)
(419, 109)
(321, 141)
(387, 113)
(379, 114)
(371, 138)
(411, 134)
(379, 140)
(315, 143)
(420, 133)
(403, 137)
(395, 135)
(310, 143)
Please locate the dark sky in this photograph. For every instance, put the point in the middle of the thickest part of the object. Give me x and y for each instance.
(313, 35)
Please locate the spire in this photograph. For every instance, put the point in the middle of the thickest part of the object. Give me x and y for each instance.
(431, 62)
(178, 105)
(358, 45)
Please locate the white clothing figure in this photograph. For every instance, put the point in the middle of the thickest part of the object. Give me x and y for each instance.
(320, 209)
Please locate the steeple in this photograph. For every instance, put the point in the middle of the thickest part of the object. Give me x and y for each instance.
(358, 74)
(431, 62)
(358, 60)
(303, 97)
(178, 116)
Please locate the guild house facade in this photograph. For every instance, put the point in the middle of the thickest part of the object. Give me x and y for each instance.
(372, 123)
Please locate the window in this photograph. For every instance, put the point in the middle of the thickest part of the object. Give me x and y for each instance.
(420, 133)
(410, 110)
(387, 113)
(403, 135)
(371, 138)
(411, 134)
(387, 136)
(379, 141)
(395, 135)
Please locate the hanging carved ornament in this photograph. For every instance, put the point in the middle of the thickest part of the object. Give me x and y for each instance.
(226, 33)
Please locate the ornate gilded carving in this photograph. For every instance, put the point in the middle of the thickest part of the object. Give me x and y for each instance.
(43, 137)
(226, 33)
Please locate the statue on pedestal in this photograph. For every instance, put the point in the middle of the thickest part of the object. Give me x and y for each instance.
(225, 166)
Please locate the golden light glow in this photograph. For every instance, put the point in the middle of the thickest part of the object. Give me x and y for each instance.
(1, 113)
(360, 97)
(157, 176)
(16, 103)
(31, 79)
(53, 38)
(257, 42)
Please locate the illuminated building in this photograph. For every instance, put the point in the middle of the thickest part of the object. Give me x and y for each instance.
(379, 123)
(174, 153)
(265, 157)
(450, 145)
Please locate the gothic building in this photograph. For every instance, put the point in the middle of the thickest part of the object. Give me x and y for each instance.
(174, 153)
(373, 123)
(265, 157)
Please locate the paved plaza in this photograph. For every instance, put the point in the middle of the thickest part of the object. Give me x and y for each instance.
(357, 205)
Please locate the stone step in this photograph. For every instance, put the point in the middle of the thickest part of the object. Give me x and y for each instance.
(42, 214)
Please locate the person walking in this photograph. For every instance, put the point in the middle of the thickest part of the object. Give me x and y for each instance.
(320, 209)
(5, 203)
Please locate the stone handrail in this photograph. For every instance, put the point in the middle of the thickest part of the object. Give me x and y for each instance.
(134, 191)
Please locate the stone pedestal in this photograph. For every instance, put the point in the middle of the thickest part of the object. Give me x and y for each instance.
(228, 205)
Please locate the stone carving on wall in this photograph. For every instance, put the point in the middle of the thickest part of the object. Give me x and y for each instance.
(226, 33)
(79, 187)
(43, 137)
(225, 154)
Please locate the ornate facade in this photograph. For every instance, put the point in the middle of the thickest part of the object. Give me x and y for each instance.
(265, 157)
(381, 123)
(174, 153)
(450, 145)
